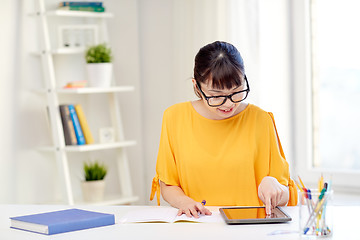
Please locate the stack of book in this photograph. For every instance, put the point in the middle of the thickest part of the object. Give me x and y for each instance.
(76, 128)
(82, 6)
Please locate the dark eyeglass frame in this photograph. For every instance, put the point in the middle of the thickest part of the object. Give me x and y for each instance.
(225, 97)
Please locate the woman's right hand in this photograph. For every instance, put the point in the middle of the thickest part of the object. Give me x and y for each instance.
(190, 207)
(186, 205)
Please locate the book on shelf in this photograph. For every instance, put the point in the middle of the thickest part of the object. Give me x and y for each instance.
(84, 125)
(81, 3)
(78, 131)
(82, 8)
(68, 126)
(167, 215)
(61, 221)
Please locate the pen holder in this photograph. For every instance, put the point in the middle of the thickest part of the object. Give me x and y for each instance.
(316, 214)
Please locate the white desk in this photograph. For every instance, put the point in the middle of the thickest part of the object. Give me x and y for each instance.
(345, 226)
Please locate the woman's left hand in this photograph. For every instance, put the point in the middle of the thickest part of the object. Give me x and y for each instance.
(272, 193)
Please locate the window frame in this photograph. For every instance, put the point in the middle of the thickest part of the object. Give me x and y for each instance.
(302, 87)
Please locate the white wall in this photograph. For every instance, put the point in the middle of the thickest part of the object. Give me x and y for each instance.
(8, 23)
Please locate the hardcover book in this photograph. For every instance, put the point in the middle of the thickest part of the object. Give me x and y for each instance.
(78, 131)
(62, 221)
(68, 126)
(84, 125)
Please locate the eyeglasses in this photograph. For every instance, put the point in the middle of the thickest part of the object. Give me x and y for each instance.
(236, 97)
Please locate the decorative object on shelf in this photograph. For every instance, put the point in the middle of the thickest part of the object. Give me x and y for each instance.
(76, 84)
(77, 36)
(99, 65)
(93, 187)
(107, 135)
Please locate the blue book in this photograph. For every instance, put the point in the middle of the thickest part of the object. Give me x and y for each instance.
(78, 131)
(82, 4)
(62, 221)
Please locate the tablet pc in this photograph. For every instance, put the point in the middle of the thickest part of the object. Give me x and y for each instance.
(249, 215)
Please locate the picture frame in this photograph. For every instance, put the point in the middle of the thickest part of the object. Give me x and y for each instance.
(107, 135)
(77, 36)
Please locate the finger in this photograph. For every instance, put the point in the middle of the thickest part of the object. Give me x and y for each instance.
(268, 205)
(207, 212)
(262, 198)
(278, 198)
(180, 212)
(203, 210)
(200, 208)
(194, 213)
(188, 213)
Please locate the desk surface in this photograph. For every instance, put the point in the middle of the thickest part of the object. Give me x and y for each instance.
(345, 226)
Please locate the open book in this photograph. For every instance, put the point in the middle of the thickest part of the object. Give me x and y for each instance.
(167, 215)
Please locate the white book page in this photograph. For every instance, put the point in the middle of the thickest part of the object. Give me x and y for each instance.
(150, 215)
(215, 217)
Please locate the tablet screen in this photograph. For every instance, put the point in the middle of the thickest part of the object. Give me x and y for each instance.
(250, 213)
(253, 215)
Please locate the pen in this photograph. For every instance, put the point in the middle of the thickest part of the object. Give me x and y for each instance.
(310, 200)
(302, 184)
(321, 183)
(298, 185)
(320, 186)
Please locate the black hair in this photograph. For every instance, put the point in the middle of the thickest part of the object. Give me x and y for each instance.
(220, 64)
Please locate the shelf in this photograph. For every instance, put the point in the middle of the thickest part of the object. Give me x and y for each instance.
(101, 146)
(93, 147)
(79, 50)
(90, 90)
(61, 51)
(65, 13)
(111, 200)
(87, 90)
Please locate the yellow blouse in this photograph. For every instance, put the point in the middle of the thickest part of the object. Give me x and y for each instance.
(220, 161)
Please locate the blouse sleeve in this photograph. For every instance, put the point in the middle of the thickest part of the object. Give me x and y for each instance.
(166, 170)
(279, 167)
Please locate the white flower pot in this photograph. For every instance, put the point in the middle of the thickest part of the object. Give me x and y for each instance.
(93, 191)
(99, 74)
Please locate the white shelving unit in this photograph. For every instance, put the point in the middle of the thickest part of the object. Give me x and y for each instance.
(53, 94)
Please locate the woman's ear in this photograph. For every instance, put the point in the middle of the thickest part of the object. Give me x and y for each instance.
(196, 90)
(193, 81)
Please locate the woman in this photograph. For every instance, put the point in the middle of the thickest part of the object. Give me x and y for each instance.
(220, 148)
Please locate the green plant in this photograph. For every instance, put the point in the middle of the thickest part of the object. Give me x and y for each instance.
(94, 171)
(98, 54)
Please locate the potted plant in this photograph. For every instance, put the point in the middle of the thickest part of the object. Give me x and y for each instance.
(99, 65)
(93, 186)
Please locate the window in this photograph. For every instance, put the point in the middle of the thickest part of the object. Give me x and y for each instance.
(326, 91)
(335, 54)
